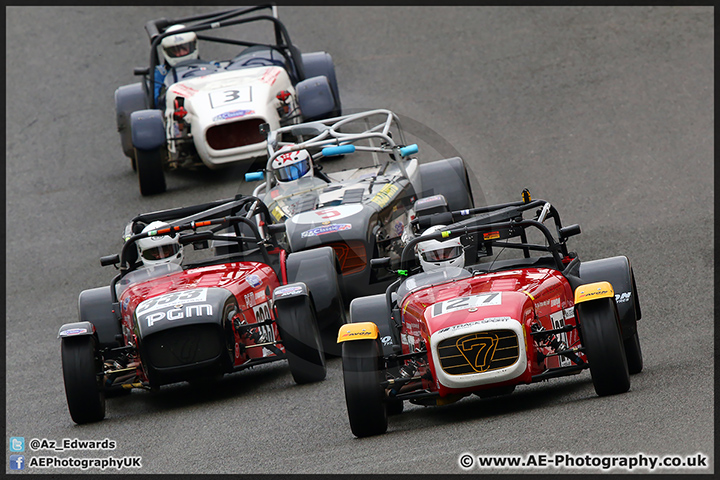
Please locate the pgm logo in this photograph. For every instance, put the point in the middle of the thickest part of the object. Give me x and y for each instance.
(622, 297)
(179, 313)
(17, 462)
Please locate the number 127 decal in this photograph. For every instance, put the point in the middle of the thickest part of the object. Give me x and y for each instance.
(230, 96)
(462, 303)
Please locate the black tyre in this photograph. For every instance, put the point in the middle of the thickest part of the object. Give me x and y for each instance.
(633, 353)
(373, 308)
(600, 334)
(449, 178)
(318, 269)
(82, 368)
(394, 406)
(364, 396)
(150, 173)
(299, 334)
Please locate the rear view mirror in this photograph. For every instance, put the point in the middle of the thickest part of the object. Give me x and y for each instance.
(108, 260)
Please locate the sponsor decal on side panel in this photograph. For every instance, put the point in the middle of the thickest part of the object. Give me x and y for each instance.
(253, 280)
(325, 229)
(622, 297)
(385, 195)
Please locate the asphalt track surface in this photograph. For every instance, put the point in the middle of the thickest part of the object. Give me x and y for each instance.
(607, 112)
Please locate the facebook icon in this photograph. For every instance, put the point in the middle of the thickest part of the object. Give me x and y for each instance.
(17, 462)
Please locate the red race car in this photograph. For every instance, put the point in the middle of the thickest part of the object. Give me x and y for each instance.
(463, 319)
(176, 314)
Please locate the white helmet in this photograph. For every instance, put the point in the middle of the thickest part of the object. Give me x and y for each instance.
(435, 255)
(179, 47)
(292, 165)
(159, 249)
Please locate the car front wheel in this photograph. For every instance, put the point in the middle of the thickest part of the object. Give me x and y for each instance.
(82, 369)
(600, 333)
(151, 177)
(364, 394)
(300, 335)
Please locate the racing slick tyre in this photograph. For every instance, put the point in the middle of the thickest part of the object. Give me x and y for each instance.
(81, 367)
(299, 334)
(600, 335)
(364, 395)
(319, 270)
(633, 353)
(149, 171)
(447, 177)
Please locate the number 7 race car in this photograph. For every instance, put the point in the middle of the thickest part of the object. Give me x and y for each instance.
(437, 336)
(193, 112)
(238, 304)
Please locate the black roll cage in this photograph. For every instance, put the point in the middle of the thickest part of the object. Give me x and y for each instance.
(206, 215)
(502, 217)
(225, 18)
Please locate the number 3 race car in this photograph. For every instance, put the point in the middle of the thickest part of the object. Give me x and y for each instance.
(439, 335)
(208, 113)
(361, 212)
(239, 305)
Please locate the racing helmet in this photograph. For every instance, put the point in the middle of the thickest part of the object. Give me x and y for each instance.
(292, 165)
(435, 255)
(179, 47)
(160, 249)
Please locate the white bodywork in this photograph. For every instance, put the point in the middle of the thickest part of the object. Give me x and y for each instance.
(225, 98)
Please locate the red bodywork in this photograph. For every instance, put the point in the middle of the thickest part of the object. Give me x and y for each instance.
(253, 300)
(531, 295)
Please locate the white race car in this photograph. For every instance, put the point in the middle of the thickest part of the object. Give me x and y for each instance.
(188, 112)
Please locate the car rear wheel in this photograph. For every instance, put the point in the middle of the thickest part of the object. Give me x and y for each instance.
(449, 178)
(600, 333)
(149, 170)
(633, 353)
(364, 395)
(81, 373)
(299, 334)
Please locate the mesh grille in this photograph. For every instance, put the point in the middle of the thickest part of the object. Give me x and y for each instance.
(478, 352)
(235, 134)
(185, 345)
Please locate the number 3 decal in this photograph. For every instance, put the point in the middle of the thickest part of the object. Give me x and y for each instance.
(222, 98)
